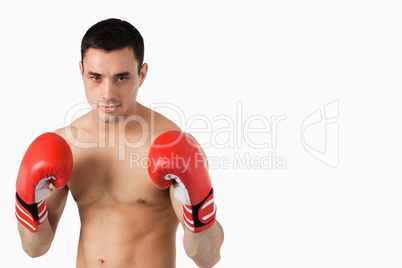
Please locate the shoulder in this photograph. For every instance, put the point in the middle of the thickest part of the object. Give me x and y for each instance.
(157, 123)
(66, 132)
(74, 132)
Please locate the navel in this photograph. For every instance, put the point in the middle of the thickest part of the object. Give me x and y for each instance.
(101, 260)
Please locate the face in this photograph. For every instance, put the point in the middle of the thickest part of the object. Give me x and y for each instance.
(111, 81)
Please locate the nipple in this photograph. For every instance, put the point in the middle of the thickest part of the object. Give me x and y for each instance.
(141, 201)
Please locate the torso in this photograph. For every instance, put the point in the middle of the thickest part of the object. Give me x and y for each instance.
(126, 221)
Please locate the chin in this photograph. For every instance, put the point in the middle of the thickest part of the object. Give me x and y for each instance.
(106, 118)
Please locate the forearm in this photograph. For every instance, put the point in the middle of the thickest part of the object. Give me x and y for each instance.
(204, 247)
(38, 243)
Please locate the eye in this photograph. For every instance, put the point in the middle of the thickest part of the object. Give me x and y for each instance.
(122, 78)
(95, 78)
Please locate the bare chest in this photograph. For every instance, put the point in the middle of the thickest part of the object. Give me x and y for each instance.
(108, 177)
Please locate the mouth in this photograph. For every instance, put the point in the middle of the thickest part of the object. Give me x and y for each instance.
(109, 109)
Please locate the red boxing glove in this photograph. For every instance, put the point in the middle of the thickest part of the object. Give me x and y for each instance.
(174, 158)
(47, 160)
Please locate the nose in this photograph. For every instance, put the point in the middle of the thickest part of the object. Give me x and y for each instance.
(108, 89)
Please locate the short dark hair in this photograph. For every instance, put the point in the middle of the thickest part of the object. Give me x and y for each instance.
(114, 34)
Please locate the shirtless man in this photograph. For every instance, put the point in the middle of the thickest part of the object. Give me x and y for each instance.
(129, 212)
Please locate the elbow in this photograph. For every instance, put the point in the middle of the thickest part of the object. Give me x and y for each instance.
(38, 243)
(206, 262)
(35, 252)
(204, 259)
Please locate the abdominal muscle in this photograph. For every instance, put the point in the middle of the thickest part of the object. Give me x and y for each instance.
(126, 236)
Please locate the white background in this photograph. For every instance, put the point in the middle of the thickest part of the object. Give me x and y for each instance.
(276, 57)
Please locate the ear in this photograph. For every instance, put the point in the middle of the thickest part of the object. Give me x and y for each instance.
(143, 73)
(81, 67)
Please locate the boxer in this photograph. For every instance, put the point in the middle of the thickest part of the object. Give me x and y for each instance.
(129, 214)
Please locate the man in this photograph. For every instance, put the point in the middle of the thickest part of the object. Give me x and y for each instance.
(129, 211)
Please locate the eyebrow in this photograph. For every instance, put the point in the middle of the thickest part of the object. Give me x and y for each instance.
(126, 73)
(93, 73)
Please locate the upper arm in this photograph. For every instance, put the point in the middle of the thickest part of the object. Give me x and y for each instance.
(177, 205)
(56, 202)
(199, 148)
(55, 205)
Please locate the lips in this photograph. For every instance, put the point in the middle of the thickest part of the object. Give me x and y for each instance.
(108, 109)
